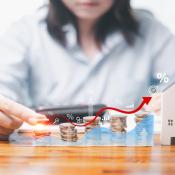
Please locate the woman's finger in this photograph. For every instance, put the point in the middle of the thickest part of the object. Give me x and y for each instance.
(5, 131)
(9, 122)
(12, 108)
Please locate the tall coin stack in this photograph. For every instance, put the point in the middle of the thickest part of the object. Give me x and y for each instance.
(92, 125)
(118, 123)
(68, 132)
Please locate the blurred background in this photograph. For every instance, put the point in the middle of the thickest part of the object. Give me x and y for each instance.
(11, 10)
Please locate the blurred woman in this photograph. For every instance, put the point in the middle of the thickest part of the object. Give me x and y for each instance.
(81, 51)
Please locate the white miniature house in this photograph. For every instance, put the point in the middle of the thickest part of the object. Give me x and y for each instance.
(168, 116)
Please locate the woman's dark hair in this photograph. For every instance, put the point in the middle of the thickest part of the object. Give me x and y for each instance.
(119, 17)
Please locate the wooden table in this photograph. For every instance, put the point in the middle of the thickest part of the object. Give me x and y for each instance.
(19, 160)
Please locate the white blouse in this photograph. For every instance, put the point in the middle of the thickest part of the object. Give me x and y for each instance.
(36, 70)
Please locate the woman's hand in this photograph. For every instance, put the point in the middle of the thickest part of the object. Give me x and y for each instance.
(13, 114)
(155, 104)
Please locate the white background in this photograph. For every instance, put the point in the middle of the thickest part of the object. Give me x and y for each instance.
(11, 10)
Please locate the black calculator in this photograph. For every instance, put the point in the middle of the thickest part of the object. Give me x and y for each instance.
(75, 114)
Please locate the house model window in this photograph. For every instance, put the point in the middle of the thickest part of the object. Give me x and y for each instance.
(170, 122)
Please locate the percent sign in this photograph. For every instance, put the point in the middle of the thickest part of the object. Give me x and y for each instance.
(163, 77)
(70, 116)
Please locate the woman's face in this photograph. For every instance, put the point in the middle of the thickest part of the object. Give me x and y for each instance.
(88, 9)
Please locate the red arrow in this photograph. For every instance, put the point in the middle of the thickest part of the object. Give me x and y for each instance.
(146, 100)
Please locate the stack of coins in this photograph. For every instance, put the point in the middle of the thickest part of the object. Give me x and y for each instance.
(139, 116)
(118, 123)
(92, 125)
(68, 132)
(41, 130)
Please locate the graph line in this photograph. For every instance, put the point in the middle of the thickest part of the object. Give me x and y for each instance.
(145, 101)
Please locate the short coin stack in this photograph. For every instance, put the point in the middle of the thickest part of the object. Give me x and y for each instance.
(118, 123)
(41, 130)
(140, 115)
(92, 125)
(68, 132)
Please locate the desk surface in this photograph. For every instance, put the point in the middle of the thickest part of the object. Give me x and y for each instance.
(87, 160)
